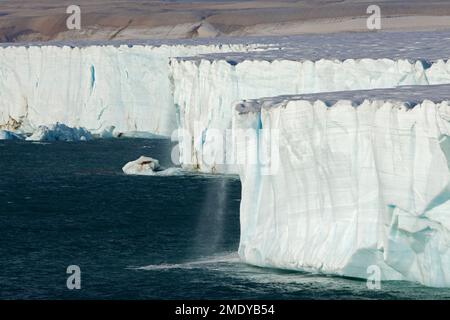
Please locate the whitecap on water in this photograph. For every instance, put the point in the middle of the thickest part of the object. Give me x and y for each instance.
(41, 143)
(170, 172)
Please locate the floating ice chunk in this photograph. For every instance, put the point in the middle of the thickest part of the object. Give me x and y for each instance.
(146, 166)
(206, 87)
(8, 135)
(60, 132)
(142, 166)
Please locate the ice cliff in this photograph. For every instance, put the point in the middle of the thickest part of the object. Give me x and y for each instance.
(362, 177)
(94, 86)
(357, 179)
(206, 86)
(131, 86)
(205, 90)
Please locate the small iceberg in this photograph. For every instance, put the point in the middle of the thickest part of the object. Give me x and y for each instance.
(60, 132)
(146, 166)
(9, 135)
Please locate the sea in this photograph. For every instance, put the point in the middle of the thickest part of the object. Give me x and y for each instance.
(66, 205)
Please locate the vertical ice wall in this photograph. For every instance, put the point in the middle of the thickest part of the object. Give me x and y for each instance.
(357, 184)
(204, 91)
(94, 86)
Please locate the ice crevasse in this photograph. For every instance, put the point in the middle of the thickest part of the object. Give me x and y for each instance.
(361, 179)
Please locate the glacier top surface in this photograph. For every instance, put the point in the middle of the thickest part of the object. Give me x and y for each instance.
(264, 41)
(413, 46)
(409, 95)
(427, 46)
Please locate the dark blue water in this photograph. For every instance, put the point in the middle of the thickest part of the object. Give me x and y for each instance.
(135, 237)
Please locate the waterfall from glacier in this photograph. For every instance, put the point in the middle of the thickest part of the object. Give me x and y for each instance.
(210, 224)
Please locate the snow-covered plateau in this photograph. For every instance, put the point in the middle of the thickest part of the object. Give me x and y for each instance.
(352, 180)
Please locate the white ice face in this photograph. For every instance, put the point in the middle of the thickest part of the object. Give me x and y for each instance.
(96, 87)
(205, 91)
(355, 185)
(206, 87)
(359, 183)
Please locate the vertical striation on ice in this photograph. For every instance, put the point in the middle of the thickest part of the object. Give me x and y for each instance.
(359, 182)
(205, 90)
(96, 86)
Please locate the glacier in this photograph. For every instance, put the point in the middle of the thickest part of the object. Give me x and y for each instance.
(359, 179)
(206, 86)
(132, 86)
(362, 177)
(204, 90)
(96, 86)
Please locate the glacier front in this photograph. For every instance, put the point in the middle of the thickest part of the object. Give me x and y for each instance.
(206, 86)
(95, 86)
(359, 179)
(362, 178)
